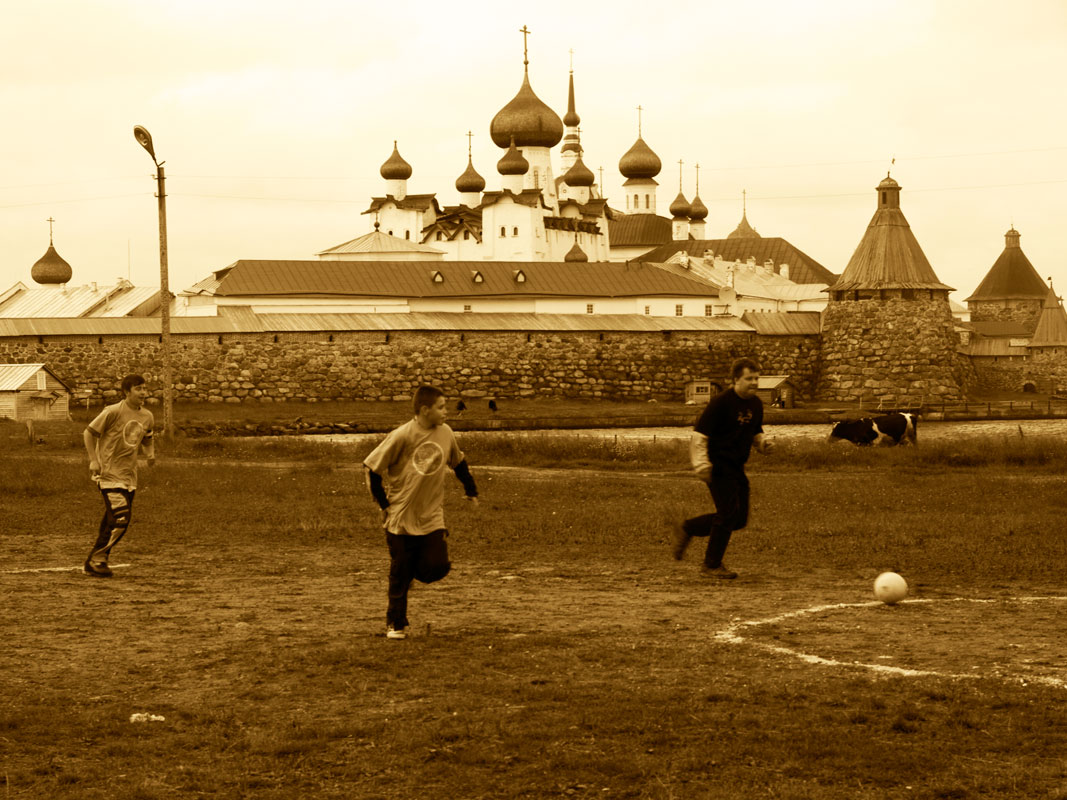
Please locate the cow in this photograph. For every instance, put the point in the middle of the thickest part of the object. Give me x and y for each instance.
(888, 430)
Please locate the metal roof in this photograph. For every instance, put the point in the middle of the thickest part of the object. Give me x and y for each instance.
(378, 242)
(784, 323)
(1002, 328)
(993, 347)
(802, 267)
(12, 376)
(454, 321)
(639, 230)
(458, 279)
(76, 301)
(457, 321)
(888, 257)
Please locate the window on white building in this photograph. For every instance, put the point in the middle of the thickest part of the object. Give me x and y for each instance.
(646, 202)
(709, 311)
(407, 234)
(503, 231)
(678, 310)
(466, 235)
(515, 231)
(466, 307)
(648, 309)
(588, 308)
(440, 236)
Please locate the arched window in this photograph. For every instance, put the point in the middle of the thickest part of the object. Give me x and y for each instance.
(515, 231)
(503, 231)
(407, 234)
(637, 202)
(647, 202)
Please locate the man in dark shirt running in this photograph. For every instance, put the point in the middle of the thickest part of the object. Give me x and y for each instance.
(723, 437)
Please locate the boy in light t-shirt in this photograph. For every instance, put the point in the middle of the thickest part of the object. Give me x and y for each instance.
(112, 442)
(406, 476)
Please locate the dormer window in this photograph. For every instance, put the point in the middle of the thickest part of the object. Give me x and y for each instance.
(437, 277)
(476, 276)
(520, 276)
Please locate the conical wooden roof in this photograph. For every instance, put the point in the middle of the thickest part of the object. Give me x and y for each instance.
(889, 255)
(1012, 276)
(1052, 324)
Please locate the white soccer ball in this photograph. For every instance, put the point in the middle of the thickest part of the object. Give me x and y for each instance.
(890, 588)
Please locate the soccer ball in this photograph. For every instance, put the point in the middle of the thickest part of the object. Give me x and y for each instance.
(890, 588)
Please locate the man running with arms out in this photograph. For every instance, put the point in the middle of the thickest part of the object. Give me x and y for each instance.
(406, 476)
(113, 441)
(720, 445)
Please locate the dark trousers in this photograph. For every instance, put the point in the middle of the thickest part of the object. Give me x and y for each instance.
(729, 490)
(118, 510)
(421, 558)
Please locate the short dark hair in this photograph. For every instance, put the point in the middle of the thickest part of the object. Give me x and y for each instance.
(739, 367)
(426, 396)
(130, 381)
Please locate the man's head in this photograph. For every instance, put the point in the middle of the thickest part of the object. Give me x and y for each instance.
(430, 406)
(745, 375)
(133, 388)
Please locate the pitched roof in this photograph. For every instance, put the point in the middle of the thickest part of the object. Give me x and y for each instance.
(13, 376)
(802, 267)
(639, 230)
(1000, 328)
(784, 323)
(428, 321)
(419, 202)
(417, 279)
(1051, 327)
(1012, 276)
(116, 300)
(888, 256)
(378, 242)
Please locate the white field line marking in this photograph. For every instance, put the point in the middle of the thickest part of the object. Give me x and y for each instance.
(54, 569)
(731, 635)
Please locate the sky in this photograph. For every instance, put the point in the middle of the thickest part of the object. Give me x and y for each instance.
(273, 119)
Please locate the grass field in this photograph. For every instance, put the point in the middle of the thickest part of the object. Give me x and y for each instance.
(565, 656)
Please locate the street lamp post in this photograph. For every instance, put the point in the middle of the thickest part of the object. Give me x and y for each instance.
(144, 138)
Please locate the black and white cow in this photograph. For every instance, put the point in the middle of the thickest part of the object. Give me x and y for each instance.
(888, 430)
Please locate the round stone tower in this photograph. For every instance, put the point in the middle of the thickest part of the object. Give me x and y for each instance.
(888, 333)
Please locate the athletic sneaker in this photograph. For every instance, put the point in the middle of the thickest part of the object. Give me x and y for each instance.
(99, 569)
(395, 633)
(720, 571)
(679, 541)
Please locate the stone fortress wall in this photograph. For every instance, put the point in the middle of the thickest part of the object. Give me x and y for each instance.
(265, 367)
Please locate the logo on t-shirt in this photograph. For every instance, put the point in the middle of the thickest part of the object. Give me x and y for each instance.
(428, 458)
(744, 417)
(132, 433)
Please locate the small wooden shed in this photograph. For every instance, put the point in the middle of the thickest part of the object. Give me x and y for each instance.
(32, 392)
(699, 392)
(776, 391)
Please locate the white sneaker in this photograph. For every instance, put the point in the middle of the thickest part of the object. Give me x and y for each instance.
(395, 633)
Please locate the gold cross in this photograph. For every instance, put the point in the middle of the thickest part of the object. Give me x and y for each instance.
(679, 175)
(525, 32)
(572, 59)
(698, 178)
(639, 110)
(50, 221)
(469, 135)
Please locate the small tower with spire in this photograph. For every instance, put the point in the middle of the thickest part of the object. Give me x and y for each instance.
(470, 184)
(698, 212)
(571, 150)
(1012, 290)
(680, 210)
(51, 269)
(744, 230)
(640, 165)
(888, 333)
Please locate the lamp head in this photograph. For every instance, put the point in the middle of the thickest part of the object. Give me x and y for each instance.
(144, 138)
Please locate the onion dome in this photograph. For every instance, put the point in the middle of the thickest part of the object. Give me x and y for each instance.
(527, 119)
(513, 162)
(697, 210)
(680, 208)
(571, 118)
(51, 268)
(575, 254)
(395, 168)
(579, 175)
(470, 180)
(639, 161)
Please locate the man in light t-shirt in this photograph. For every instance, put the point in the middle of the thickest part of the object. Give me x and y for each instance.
(113, 441)
(406, 476)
